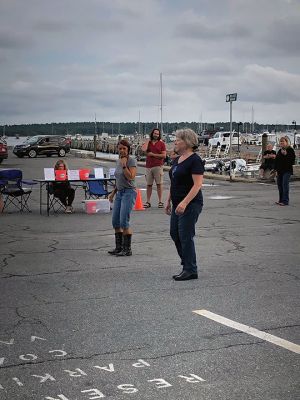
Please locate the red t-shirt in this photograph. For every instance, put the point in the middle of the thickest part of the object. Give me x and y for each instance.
(156, 148)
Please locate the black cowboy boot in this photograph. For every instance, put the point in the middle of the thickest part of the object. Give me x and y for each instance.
(126, 246)
(119, 243)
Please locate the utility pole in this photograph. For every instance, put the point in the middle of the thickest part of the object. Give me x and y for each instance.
(295, 131)
(95, 138)
(229, 99)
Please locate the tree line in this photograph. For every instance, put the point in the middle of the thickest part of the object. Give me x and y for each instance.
(126, 128)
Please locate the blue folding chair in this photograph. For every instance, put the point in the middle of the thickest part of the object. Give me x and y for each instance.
(95, 189)
(12, 190)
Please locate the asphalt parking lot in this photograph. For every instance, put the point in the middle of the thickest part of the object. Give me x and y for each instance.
(78, 324)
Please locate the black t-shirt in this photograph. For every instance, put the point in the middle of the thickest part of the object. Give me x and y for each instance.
(181, 178)
(269, 162)
(284, 163)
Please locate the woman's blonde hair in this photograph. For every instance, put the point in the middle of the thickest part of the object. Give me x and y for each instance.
(57, 164)
(189, 137)
(286, 139)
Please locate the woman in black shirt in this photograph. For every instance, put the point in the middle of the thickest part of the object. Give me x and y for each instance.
(185, 200)
(284, 161)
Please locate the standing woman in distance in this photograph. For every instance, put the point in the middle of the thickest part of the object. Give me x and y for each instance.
(284, 161)
(185, 201)
(125, 192)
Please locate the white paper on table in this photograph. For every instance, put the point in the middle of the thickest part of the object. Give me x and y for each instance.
(99, 174)
(112, 172)
(73, 175)
(49, 174)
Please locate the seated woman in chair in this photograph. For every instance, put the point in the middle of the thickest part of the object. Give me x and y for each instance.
(268, 165)
(63, 190)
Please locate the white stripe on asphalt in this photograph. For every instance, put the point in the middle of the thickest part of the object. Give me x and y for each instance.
(250, 331)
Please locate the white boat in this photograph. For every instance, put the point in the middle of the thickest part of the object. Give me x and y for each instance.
(271, 138)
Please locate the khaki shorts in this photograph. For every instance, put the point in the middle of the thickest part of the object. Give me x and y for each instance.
(154, 174)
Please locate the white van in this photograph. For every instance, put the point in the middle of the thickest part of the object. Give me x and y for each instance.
(222, 138)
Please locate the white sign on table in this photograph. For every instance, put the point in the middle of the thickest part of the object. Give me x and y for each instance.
(112, 172)
(73, 175)
(99, 174)
(49, 174)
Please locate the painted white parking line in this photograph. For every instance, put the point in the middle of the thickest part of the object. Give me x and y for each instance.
(250, 331)
(219, 197)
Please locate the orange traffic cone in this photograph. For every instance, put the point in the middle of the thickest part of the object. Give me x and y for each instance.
(138, 202)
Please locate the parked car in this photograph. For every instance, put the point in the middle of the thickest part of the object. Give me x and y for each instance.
(205, 135)
(3, 150)
(222, 138)
(43, 145)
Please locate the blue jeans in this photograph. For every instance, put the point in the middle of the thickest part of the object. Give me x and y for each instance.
(283, 181)
(122, 208)
(182, 231)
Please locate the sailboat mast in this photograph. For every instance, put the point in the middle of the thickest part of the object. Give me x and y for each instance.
(95, 125)
(161, 105)
(139, 128)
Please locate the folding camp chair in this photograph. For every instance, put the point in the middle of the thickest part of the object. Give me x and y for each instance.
(95, 189)
(12, 190)
(54, 202)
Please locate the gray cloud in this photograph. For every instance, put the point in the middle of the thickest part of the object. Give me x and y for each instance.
(268, 85)
(67, 60)
(206, 30)
(13, 40)
(284, 34)
(53, 26)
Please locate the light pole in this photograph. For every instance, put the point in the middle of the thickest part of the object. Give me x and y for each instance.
(295, 131)
(229, 99)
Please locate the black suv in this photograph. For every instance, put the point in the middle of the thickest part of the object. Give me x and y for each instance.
(43, 145)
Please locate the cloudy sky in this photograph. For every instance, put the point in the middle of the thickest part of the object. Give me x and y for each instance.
(67, 60)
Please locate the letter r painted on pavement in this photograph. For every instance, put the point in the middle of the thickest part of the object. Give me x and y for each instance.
(192, 378)
(96, 392)
(141, 364)
(60, 397)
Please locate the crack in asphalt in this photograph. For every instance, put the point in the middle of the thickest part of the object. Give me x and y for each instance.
(281, 327)
(273, 219)
(73, 358)
(5, 261)
(236, 245)
(162, 356)
(25, 320)
(296, 277)
(203, 350)
(120, 294)
(39, 274)
(236, 332)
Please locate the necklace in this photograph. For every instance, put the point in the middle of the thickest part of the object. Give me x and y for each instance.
(185, 155)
